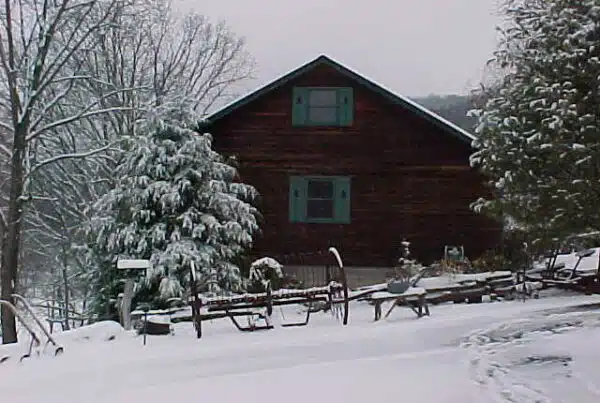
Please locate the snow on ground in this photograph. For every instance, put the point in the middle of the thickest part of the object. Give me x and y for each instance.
(534, 351)
(547, 357)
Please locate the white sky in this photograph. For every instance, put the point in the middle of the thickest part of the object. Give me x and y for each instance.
(413, 47)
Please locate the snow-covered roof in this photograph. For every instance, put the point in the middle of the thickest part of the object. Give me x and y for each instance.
(409, 104)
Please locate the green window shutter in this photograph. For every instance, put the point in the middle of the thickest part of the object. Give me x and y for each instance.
(297, 199)
(346, 102)
(342, 200)
(299, 106)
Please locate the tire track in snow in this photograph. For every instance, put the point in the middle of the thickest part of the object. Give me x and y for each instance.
(497, 381)
(494, 380)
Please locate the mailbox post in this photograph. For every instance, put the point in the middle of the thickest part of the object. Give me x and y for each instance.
(145, 308)
(131, 269)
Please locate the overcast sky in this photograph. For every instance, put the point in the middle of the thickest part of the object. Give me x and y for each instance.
(413, 47)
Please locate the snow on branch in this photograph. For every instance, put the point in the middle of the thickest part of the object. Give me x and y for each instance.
(2, 220)
(85, 113)
(38, 198)
(5, 150)
(45, 70)
(61, 157)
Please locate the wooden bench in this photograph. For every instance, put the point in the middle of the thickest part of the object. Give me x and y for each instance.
(414, 297)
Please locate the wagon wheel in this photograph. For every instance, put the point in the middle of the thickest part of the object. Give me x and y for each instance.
(334, 295)
(337, 297)
(340, 309)
(339, 304)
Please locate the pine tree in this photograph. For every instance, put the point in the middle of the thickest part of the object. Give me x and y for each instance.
(537, 133)
(178, 204)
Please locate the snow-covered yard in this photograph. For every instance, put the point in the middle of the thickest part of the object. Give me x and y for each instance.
(537, 351)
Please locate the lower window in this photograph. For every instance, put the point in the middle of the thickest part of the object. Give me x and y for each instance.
(320, 199)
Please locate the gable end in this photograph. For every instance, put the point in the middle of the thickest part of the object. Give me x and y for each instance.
(412, 106)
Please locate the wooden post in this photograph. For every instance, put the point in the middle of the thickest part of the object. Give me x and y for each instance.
(196, 302)
(130, 267)
(126, 304)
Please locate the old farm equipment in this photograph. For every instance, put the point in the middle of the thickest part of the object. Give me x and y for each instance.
(29, 327)
(258, 308)
(576, 270)
(402, 292)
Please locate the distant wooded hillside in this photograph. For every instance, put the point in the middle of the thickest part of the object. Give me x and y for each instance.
(451, 107)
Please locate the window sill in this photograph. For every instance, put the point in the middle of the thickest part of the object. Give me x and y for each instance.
(322, 221)
(320, 125)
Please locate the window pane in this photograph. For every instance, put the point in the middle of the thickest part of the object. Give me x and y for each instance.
(319, 208)
(322, 115)
(322, 98)
(320, 189)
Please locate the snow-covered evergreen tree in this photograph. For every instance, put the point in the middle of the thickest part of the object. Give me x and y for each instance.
(538, 132)
(177, 203)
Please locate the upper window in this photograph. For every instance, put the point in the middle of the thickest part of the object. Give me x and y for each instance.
(320, 199)
(322, 106)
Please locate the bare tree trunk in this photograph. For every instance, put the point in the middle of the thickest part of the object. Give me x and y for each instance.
(83, 312)
(12, 240)
(66, 286)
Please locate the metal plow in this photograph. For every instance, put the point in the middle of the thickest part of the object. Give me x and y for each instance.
(19, 308)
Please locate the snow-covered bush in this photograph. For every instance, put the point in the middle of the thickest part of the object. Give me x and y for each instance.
(176, 202)
(263, 271)
(491, 260)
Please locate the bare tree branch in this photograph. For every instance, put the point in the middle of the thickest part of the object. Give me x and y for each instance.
(61, 157)
(85, 113)
(6, 150)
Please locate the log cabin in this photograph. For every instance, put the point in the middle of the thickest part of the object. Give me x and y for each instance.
(341, 161)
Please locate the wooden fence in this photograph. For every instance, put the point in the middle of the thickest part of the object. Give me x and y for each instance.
(314, 276)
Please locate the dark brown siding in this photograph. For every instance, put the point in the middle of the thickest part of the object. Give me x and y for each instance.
(410, 179)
